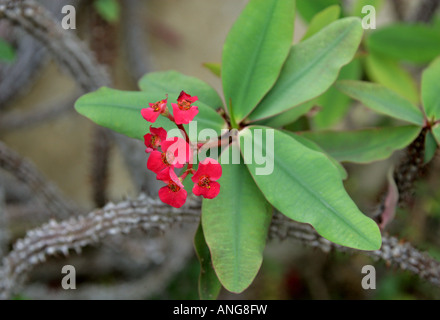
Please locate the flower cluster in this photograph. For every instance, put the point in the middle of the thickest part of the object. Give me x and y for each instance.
(170, 153)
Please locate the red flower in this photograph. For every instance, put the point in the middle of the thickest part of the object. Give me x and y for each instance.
(173, 194)
(205, 179)
(183, 112)
(175, 153)
(150, 114)
(153, 139)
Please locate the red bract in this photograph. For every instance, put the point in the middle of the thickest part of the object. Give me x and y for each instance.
(150, 114)
(153, 139)
(184, 97)
(183, 112)
(173, 194)
(175, 153)
(205, 179)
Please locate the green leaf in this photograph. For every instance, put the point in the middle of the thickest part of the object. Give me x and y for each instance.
(382, 100)
(108, 9)
(312, 67)
(334, 104)
(431, 147)
(418, 43)
(215, 68)
(309, 9)
(306, 187)
(389, 72)
(173, 82)
(254, 52)
(287, 117)
(209, 286)
(120, 111)
(364, 146)
(7, 52)
(359, 4)
(322, 19)
(313, 146)
(431, 90)
(236, 224)
(436, 133)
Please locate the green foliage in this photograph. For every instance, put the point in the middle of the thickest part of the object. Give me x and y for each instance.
(108, 9)
(322, 19)
(359, 4)
(215, 68)
(312, 67)
(172, 82)
(431, 90)
(121, 112)
(430, 147)
(313, 146)
(436, 133)
(389, 73)
(254, 52)
(334, 104)
(209, 286)
(236, 224)
(309, 9)
(417, 43)
(306, 186)
(364, 146)
(288, 116)
(382, 100)
(7, 52)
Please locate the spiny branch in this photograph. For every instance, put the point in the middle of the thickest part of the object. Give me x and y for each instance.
(27, 173)
(64, 46)
(395, 252)
(4, 223)
(147, 213)
(54, 238)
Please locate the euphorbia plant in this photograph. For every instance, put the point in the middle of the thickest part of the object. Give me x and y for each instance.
(267, 83)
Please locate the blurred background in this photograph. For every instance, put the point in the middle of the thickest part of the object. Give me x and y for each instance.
(132, 37)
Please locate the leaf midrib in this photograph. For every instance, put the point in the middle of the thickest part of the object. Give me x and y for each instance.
(300, 74)
(327, 205)
(337, 153)
(257, 53)
(392, 109)
(320, 200)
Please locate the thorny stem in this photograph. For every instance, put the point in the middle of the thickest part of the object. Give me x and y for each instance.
(148, 213)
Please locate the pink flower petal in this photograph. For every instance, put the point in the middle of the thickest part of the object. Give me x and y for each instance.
(155, 162)
(184, 96)
(207, 192)
(174, 199)
(208, 167)
(180, 149)
(147, 142)
(184, 116)
(149, 114)
(160, 132)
